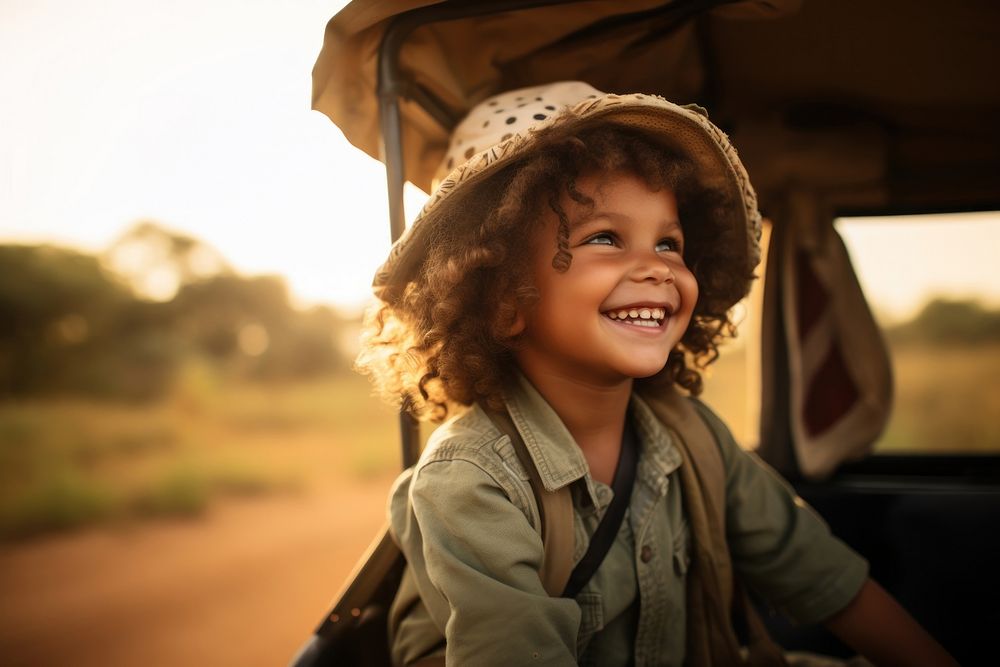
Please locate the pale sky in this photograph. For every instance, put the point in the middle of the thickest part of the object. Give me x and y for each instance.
(902, 261)
(195, 114)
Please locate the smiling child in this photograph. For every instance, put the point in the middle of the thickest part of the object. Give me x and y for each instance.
(573, 270)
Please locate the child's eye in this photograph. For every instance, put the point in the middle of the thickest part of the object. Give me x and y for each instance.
(668, 245)
(602, 238)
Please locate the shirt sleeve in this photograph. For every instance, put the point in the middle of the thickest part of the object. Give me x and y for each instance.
(481, 557)
(780, 546)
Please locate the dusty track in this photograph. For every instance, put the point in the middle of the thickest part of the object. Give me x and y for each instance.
(243, 586)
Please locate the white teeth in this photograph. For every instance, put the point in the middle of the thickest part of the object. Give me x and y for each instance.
(647, 317)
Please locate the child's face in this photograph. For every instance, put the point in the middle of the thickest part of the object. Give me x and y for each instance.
(627, 297)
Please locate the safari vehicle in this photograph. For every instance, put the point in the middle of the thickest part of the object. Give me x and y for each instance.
(839, 108)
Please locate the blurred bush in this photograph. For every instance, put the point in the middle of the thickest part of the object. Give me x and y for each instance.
(123, 325)
(71, 462)
(153, 380)
(946, 321)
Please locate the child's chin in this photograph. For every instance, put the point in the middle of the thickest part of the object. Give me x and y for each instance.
(645, 371)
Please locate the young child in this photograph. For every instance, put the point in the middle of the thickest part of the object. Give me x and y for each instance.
(582, 254)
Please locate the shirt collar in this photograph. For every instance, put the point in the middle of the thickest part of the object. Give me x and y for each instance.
(560, 461)
(660, 456)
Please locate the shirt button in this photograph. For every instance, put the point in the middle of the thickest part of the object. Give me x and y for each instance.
(646, 554)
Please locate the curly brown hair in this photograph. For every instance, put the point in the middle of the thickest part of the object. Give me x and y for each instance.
(444, 340)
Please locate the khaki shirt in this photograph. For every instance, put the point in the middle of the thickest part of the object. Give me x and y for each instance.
(467, 523)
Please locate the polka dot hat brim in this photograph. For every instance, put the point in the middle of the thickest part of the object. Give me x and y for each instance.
(502, 129)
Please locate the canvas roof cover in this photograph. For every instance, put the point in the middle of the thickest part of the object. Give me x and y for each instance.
(900, 94)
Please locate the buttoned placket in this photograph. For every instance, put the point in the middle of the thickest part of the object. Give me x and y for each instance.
(649, 566)
(659, 613)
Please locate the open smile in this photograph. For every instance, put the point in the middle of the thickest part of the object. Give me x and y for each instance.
(640, 316)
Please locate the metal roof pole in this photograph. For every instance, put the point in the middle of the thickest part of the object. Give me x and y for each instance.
(392, 152)
(392, 156)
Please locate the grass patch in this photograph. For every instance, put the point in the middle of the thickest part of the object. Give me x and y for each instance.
(65, 464)
(245, 480)
(63, 501)
(947, 398)
(182, 491)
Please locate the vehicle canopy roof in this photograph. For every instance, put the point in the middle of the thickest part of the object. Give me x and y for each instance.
(896, 103)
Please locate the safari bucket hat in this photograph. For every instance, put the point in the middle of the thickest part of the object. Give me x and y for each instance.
(503, 130)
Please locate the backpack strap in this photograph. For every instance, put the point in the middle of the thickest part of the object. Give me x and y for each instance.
(698, 443)
(712, 593)
(555, 512)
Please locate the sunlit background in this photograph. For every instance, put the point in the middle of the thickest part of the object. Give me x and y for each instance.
(192, 114)
(196, 115)
(190, 482)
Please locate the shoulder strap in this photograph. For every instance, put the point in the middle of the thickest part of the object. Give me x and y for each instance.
(713, 593)
(697, 441)
(555, 511)
(703, 483)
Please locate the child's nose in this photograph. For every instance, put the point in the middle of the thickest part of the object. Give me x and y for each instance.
(651, 267)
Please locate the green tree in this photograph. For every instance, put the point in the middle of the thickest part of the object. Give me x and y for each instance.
(69, 324)
(57, 307)
(950, 321)
(157, 262)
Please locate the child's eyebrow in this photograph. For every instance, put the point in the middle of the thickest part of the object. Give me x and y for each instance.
(595, 218)
(674, 225)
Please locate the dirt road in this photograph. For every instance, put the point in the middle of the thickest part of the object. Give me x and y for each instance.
(243, 586)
